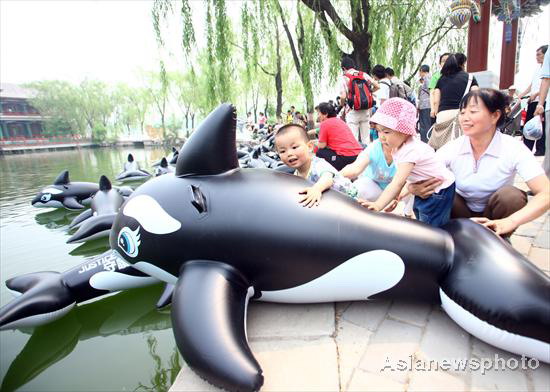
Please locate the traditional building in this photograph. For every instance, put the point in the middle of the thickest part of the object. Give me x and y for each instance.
(18, 119)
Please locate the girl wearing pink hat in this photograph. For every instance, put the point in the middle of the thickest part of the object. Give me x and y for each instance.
(415, 161)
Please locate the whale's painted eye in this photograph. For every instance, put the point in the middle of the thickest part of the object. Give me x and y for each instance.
(46, 197)
(128, 241)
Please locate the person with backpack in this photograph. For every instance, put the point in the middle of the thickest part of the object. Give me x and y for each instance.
(398, 88)
(357, 89)
(383, 93)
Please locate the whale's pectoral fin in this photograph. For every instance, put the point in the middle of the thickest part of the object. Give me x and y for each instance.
(71, 203)
(44, 297)
(81, 218)
(166, 296)
(208, 317)
(95, 227)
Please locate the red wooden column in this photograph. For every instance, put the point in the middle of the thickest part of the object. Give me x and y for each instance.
(478, 40)
(508, 55)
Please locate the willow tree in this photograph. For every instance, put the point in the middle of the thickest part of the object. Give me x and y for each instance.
(218, 35)
(306, 50)
(262, 46)
(400, 34)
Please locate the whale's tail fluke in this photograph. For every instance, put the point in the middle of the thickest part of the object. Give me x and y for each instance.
(213, 342)
(495, 293)
(44, 297)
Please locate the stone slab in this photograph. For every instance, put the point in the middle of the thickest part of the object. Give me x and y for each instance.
(352, 343)
(540, 257)
(288, 365)
(394, 341)
(367, 314)
(270, 320)
(415, 314)
(367, 382)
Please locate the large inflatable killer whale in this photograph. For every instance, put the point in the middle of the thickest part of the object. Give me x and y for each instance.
(203, 230)
(96, 222)
(132, 171)
(70, 195)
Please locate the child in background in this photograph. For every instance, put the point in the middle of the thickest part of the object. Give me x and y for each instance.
(415, 161)
(295, 150)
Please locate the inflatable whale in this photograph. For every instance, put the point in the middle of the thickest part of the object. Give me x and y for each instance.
(64, 193)
(163, 168)
(132, 171)
(171, 160)
(70, 195)
(125, 313)
(203, 230)
(97, 221)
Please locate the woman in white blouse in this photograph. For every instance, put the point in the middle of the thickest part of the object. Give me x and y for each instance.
(485, 162)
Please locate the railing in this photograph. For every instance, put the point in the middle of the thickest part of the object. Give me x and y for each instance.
(43, 140)
(20, 114)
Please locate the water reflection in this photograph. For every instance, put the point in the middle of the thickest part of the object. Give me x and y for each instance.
(91, 248)
(129, 312)
(55, 218)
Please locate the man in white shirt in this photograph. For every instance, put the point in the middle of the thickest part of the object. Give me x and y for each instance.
(379, 74)
(357, 120)
(543, 97)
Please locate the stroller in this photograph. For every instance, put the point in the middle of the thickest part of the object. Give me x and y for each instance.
(512, 122)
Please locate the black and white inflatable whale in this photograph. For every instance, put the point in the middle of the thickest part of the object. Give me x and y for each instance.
(131, 171)
(64, 193)
(96, 222)
(203, 230)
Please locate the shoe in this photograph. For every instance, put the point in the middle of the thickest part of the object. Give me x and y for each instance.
(538, 154)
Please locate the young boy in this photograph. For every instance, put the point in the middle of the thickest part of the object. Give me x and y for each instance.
(295, 150)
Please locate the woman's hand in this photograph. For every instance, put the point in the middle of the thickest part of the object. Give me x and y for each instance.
(426, 188)
(499, 226)
(311, 198)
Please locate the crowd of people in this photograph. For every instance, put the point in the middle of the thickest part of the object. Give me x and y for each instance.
(438, 145)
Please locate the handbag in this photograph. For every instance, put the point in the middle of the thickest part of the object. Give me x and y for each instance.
(442, 133)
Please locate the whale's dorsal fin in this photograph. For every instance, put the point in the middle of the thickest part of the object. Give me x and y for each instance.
(62, 178)
(130, 158)
(211, 149)
(163, 162)
(104, 184)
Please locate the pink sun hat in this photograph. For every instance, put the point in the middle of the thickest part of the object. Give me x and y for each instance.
(397, 114)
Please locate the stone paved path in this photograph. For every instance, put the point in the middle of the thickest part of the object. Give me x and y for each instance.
(357, 346)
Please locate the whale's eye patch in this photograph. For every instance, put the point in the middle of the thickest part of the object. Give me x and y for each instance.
(129, 241)
(46, 197)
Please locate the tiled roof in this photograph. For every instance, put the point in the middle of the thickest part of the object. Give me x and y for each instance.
(11, 90)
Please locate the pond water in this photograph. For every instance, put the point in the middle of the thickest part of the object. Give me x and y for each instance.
(119, 343)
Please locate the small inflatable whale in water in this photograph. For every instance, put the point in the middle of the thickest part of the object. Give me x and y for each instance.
(163, 168)
(203, 230)
(97, 221)
(132, 171)
(171, 160)
(70, 195)
(64, 193)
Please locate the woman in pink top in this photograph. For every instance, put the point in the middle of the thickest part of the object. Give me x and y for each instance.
(415, 161)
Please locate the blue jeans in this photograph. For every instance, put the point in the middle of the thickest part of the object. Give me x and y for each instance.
(436, 209)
